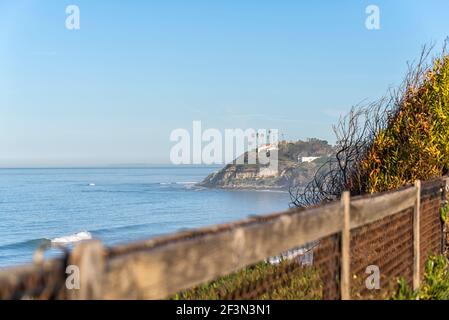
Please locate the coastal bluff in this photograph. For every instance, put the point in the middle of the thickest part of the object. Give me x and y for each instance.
(297, 163)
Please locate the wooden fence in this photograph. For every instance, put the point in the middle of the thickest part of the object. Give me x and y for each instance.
(160, 267)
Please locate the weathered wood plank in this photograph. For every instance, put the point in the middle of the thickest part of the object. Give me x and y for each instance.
(345, 247)
(416, 236)
(88, 257)
(370, 209)
(167, 269)
(44, 281)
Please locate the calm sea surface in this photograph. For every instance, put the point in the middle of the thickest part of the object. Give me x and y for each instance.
(115, 205)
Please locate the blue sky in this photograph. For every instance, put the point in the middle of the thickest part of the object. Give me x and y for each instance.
(111, 92)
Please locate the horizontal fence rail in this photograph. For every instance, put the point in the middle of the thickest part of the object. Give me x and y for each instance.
(161, 267)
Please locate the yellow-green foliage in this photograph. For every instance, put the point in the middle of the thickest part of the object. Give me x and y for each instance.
(435, 285)
(436, 280)
(415, 144)
(303, 283)
(444, 211)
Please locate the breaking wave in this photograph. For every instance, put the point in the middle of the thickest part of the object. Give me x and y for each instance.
(76, 237)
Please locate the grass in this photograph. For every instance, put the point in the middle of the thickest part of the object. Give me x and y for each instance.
(263, 281)
(288, 281)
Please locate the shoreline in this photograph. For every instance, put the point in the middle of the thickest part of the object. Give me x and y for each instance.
(244, 188)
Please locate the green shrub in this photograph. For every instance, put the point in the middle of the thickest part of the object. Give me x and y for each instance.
(436, 280)
(444, 211)
(435, 285)
(415, 143)
(404, 292)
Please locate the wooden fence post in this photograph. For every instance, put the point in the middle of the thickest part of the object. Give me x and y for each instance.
(416, 236)
(345, 247)
(88, 258)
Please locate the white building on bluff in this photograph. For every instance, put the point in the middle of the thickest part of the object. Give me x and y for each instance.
(307, 159)
(268, 147)
(272, 170)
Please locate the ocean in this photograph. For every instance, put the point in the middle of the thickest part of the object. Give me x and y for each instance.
(114, 205)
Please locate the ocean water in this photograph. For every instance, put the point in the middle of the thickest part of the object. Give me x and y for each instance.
(115, 205)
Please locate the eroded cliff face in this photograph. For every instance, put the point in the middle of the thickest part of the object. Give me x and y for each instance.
(291, 171)
(253, 177)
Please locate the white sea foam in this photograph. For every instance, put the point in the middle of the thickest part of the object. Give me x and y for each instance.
(84, 235)
(182, 183)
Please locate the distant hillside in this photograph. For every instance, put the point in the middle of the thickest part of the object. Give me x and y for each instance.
(292, 171)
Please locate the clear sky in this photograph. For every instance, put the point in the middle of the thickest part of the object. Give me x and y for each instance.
(111, 92)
